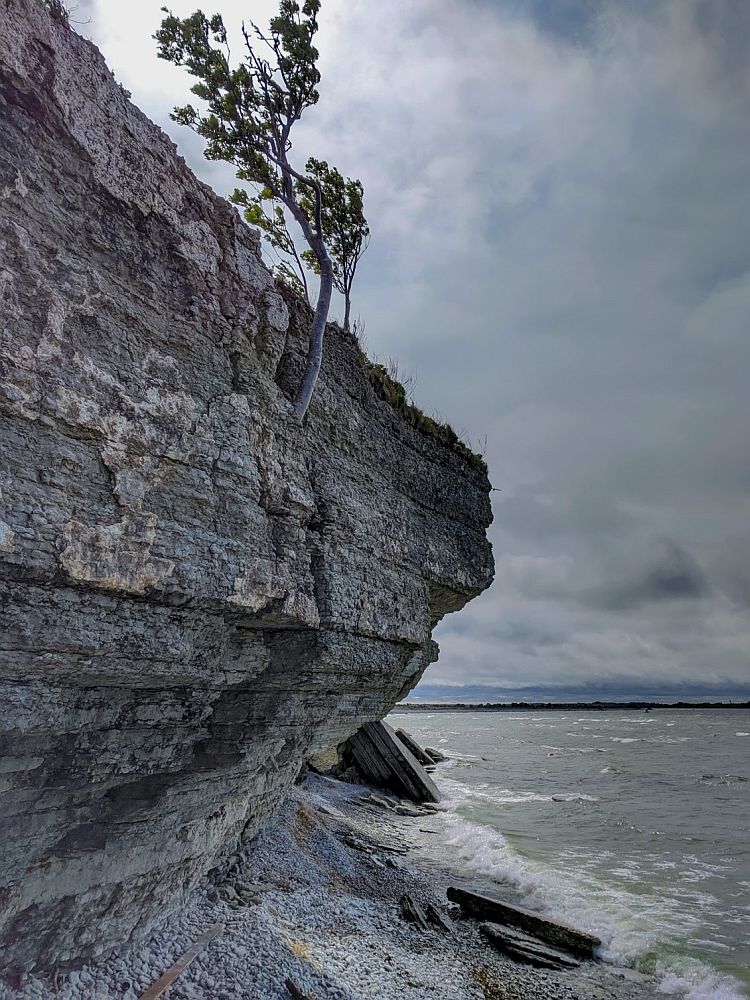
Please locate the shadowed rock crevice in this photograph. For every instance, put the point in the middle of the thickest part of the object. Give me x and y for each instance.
(196, 592)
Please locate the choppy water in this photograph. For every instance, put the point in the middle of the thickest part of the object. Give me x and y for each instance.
(633, 825)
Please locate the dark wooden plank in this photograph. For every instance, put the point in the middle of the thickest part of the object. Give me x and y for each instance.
(501, 912)
(162, 984)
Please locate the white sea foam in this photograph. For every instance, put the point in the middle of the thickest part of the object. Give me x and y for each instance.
(651, 868)
(507, 796)
(630, 930)
(697, 982)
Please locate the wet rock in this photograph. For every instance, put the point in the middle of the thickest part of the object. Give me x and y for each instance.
(499, 911)
(526, 948)
(413, 912)
(383, 759)
(411, 744)
(437, 918)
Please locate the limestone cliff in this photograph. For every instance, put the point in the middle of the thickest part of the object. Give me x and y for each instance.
(196, 592)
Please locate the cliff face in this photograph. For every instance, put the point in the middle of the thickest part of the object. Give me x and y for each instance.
(196, 593)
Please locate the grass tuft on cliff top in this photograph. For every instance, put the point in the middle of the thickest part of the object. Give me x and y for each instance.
(388, 387)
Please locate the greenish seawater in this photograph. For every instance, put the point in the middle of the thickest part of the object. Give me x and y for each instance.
(634, 825)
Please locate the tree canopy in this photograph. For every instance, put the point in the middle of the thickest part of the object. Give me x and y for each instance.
(248, 115)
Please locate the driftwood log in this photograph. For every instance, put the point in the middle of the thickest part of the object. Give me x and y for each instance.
(162, 984)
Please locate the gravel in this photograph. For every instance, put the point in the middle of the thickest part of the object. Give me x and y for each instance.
(315, 899)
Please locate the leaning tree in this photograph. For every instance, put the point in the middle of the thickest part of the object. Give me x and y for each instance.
(250, 110)
(345, 230)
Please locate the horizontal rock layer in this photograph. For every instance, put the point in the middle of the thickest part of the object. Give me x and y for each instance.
(196, 592)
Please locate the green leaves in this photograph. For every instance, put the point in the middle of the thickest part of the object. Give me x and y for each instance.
(248, 110)
(246, 114)
(345, 228)
(261, 211)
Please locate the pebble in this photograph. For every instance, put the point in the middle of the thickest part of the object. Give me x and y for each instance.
(324, 915)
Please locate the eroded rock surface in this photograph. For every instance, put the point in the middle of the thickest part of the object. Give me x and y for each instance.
(196, 592)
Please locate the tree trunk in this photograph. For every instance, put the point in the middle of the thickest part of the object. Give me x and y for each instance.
(347, 308)
(315, 352)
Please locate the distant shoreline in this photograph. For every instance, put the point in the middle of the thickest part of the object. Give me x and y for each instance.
(548, 706)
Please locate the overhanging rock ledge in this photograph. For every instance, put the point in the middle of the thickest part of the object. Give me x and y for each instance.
(195, 592)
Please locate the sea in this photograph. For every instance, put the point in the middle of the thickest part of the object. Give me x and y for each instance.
(633, 825)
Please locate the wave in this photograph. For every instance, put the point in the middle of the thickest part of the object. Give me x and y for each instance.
(695, 981)
(723, 779)
(633, 929)
(506, 796)
(548, 746)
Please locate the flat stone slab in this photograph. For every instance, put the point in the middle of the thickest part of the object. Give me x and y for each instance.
(501, 912)
(524, 948)
(411, 744)
(383, 759)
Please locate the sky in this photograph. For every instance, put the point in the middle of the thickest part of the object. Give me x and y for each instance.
(560, 211)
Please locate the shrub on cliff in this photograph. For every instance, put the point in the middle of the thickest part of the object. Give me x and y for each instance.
(250, 112)
(58, 10)
(344, 226)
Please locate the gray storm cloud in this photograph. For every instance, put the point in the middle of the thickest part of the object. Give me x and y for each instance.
(557, 194)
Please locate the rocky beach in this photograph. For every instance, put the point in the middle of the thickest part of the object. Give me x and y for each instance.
(317, 902)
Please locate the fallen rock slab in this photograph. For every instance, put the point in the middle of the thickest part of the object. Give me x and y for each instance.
(524, 948)
(413, 912)
(376, 800)
(408, 811)
(411, 744)
(499, 911)
(295, 992)
(437, 918)
(384, 760)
